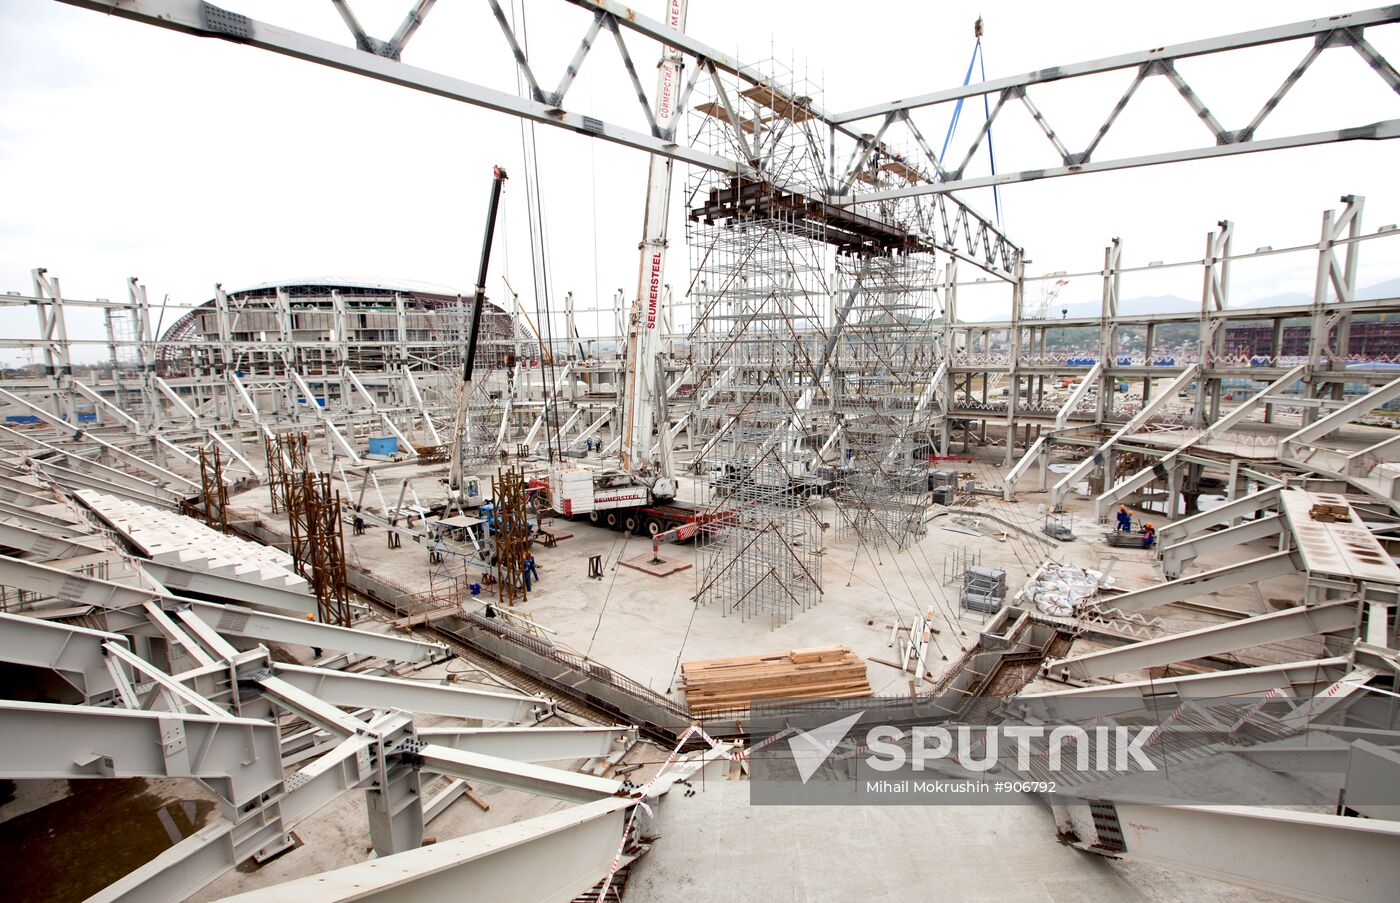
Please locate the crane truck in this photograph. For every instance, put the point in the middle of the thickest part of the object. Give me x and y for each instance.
(639, 495)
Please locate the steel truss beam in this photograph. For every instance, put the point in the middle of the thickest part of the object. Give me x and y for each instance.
(964, 233)
(1275, 627)
(1323, 33)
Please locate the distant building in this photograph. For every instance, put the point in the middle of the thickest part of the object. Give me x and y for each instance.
(318, 323)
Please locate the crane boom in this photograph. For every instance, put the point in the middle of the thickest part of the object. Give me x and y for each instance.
(459, 425)
(643, 386)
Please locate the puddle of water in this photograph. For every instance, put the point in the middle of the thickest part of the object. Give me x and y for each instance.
(104, 829)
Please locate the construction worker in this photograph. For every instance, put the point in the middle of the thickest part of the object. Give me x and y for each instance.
(1149, 535)
(1125, 520)
(530, 570)
(315, 650)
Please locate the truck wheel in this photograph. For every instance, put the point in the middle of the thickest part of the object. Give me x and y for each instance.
(652, 526)
(611, 520)
(593, 517)
(631, 524)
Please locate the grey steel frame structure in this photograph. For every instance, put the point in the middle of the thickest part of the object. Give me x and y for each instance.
(895, 182)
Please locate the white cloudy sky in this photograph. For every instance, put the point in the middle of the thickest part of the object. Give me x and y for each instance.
(127, 150)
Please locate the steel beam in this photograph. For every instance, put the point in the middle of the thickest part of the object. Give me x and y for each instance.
(1090, 379)
(1243, 506)
(1029, 458)
(1113, 494)
(547, 859)
(1240, 682)
(75, 653)
(1062, 487)
(1275, 627)
(75, 589)
(1311, 434)
(234, 620)
(45, 545)
(530, 744)
(1177, 556)
(240, 757)
(1276, 565)
(179, 579)
(364, 691)
(523, 776)
(1299, 854)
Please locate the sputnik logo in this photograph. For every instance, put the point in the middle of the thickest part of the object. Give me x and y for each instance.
(811, 748)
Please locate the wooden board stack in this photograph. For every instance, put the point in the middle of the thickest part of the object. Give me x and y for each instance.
(728, 683)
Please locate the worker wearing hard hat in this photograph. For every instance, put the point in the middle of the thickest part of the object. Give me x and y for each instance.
(1125, 520)
(1149, 535)
(315, 650)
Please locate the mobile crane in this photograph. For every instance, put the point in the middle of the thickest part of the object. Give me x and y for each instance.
(455, 484)
(639, 495)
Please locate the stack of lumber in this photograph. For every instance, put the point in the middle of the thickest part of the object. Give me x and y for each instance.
(728, 683)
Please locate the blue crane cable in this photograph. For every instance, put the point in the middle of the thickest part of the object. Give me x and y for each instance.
(978, 57)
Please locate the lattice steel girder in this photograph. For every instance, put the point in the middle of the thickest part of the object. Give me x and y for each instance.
(1288, 677)
(1337, 31)
(972, 236)
(1274, 627)
(234, 620)
(530, 744)
(362, 690)
(239, 757)
(1300, 854)
(75, 653)
(550, 857)
(524, 776)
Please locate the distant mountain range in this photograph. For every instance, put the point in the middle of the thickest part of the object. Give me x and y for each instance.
(1162, 304)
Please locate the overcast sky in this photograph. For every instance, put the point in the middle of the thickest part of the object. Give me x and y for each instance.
(127, 150)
